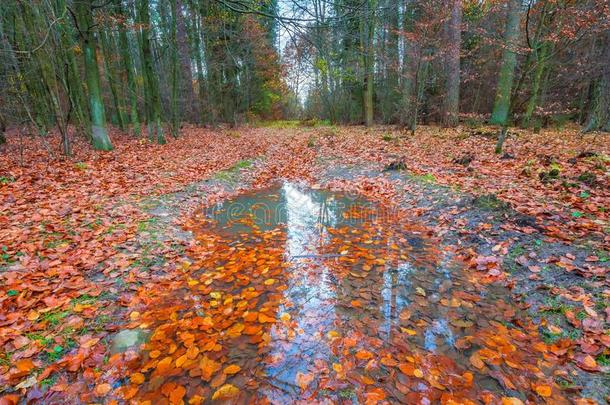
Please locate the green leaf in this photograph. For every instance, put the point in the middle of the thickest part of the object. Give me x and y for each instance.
(577, 214)
(12, 293)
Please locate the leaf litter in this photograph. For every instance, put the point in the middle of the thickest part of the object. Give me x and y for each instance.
(72, 271)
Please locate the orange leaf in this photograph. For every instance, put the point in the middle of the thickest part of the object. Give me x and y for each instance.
(164, 365)
(363, 354)
(102, 389)
(181, 360)
(476, 361)
(262, 318)
(543, 390)
(137, 378)
(175, 397)
(511, 401)
(208, 368)
(192, 352)
(24, 365)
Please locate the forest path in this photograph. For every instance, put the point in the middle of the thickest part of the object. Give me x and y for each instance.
(516, 291)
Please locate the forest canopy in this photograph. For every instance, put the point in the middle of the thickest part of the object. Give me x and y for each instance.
(149, 66)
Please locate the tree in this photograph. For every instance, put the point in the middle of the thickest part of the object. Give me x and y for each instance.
(500, 113)
(454, 37)
(84, 18)
(153, 97)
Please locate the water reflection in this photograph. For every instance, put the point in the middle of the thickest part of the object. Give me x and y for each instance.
(317, 295)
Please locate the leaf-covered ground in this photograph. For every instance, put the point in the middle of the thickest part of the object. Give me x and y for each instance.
(91, 244)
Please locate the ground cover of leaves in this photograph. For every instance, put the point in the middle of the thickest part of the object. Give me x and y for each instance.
(78, 244)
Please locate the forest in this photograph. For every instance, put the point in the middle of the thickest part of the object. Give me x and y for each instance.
(305, 201)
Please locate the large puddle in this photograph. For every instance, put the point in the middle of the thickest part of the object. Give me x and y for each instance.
(307, 295)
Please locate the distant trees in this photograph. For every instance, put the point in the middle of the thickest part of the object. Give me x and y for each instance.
(165, 62)
(151, 62)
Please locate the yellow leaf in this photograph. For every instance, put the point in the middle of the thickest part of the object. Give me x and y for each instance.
(196, 400)
(418, 373)
(333, 334)
(227, 391)
(269, 281)
(285, 317)
(134, 315)
(216, 295)
(181, 360)
(410, 332)
(337, 367)
(232, 369)
(33, 315)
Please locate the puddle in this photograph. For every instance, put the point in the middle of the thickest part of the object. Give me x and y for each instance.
(299, 294)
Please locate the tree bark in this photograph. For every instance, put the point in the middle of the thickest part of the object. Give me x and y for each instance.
(101, 140)
(452, 100)
(501, 108)
(153, 101)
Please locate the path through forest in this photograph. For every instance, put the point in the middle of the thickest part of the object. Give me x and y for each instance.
(313, 263)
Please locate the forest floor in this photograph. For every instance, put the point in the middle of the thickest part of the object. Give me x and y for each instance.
(451, 273)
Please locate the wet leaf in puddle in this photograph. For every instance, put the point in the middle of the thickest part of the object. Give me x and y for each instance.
(375, 395)
(461, 323)
(476, 361)
(588, 363)
(363, 354)
(227, 391)
(405, 315)
(303, 380)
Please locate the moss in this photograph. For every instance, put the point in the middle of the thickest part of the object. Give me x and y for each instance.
(490, 202)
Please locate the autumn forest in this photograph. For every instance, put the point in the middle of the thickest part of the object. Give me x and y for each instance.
(304, 201)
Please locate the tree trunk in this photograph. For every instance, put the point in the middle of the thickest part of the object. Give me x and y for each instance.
(184, 60)
(152, 94)
(196, 36)
(452, 100)
(101, 141)
(501, 108)
(129, 72)
(369, 61)
(532, 103)
(409, 69)
(111, 78)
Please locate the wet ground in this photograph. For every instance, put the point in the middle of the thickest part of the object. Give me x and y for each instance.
(300, 294)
